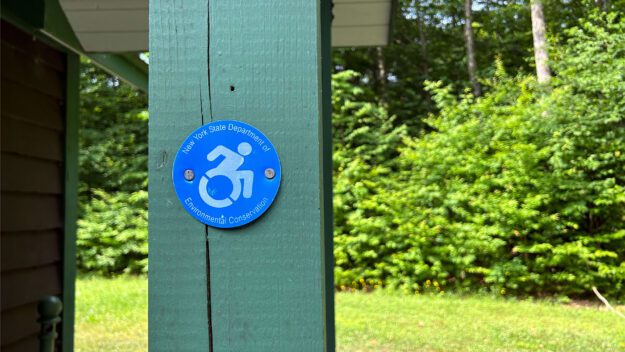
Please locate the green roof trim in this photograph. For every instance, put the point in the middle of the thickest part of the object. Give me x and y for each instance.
(46, 20)
(57, 27)
(128, 67)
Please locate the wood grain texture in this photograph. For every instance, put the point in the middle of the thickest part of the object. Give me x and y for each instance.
(29, 249)
(375, 35)
(29, 285)
(29, 343)
(178, 297)
(361, 14)
(25, 212)
(121, 25)
(114, 42)
(18, 102)
(101, 20)
(267, 279)
(27, 70)
(69, 5)
(25, 139)
(31, 175)
(19, 323)
(33, 77)
(14, 38)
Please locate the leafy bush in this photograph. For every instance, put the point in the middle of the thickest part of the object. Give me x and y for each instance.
(113, 134)
(112, 235)
(112, 227)
(365, 147)
(519, 191)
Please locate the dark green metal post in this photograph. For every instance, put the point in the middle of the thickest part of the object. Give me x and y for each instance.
(49, 315)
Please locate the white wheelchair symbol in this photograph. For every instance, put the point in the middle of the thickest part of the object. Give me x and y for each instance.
(229, 168)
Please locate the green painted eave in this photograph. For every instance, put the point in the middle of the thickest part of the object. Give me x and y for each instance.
(46, 19)
(130, 68)
(57, 27)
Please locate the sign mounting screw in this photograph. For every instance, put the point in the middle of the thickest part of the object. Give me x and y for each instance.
(189, 175)
(270, 173)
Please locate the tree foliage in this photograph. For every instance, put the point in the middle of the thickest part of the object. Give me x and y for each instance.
(112, 235)
(428, 44)
(112, 230)
(520, 191)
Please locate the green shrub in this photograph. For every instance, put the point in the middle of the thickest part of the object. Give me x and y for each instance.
(112, 234)
(519, 191)
(365, 147)
(112, 227)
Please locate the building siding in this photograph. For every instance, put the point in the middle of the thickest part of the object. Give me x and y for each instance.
(33, 92)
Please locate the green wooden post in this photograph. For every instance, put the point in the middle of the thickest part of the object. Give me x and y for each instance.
(266, 286)
(71, 198)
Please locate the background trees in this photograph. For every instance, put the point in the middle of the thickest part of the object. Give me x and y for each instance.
(113, 134)
(429, 44)
(541, 57)
(519, 191)
(469, 40)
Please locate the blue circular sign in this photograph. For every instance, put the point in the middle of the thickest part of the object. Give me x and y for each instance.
(226, 174)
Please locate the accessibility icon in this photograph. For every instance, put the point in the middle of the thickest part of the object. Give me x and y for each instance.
(226, 174)
(229, 168)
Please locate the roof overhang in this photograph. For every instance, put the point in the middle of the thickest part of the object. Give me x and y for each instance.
(46, 20)
(113, 32)
(122, 25)
(362, 22)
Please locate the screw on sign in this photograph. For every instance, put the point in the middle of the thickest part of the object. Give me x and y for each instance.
(189, 175)
(270, 173)
(218, 174)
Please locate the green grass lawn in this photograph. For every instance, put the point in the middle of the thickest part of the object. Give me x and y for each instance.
(111, 315)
